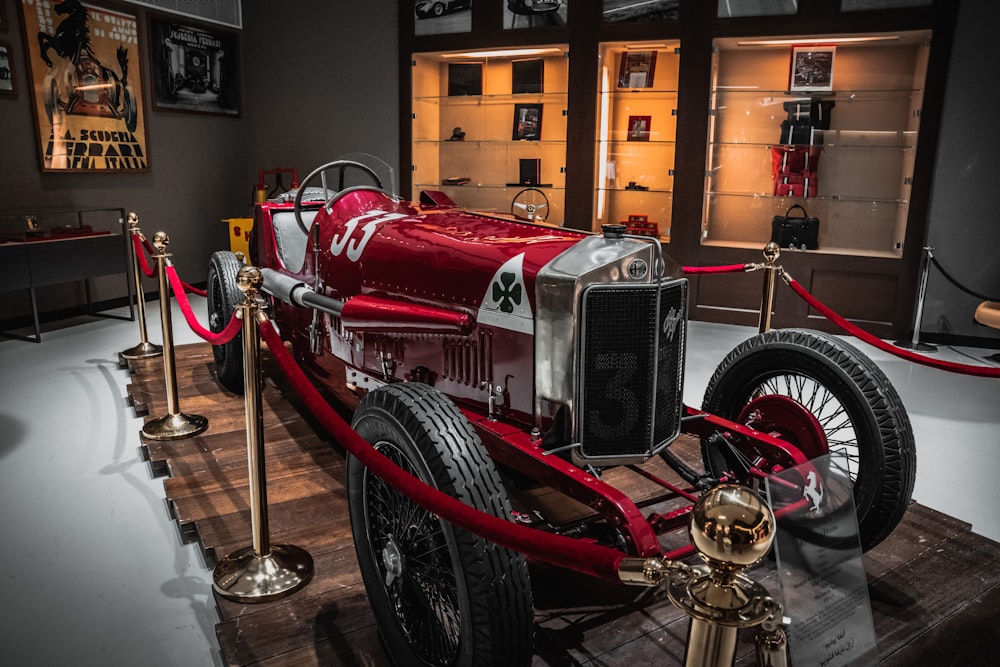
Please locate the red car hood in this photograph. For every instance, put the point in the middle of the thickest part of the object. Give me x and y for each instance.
(449, 258)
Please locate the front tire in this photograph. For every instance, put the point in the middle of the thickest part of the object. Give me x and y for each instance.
(863, 423)
(441, 595)
(223, 298)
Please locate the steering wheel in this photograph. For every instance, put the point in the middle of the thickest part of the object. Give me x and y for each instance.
(341, 167)
(530, 204)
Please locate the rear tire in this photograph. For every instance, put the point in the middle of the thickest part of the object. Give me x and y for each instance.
(867, 430)
(441, 595)
(223, 298)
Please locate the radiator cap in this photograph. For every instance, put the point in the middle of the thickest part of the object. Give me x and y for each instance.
(612, 231)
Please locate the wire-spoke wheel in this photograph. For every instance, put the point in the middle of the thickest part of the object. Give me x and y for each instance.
(441, 595)
(823, 396)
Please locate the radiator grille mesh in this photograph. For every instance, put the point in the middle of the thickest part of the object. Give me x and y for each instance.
(631, 368)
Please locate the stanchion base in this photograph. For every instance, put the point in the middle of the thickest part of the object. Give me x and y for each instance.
(143, 351)
(246, 577)
(919, 347)
(175, 427)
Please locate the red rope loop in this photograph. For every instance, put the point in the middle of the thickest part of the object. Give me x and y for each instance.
(193, 289)
(584, 557)
(232, 329)
(858, 332)
(726, 268)
(140, 254)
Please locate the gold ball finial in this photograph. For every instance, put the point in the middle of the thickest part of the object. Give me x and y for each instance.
(161, 240)
(249, 278)
(731, 527)
(771, 252)
(133, 220)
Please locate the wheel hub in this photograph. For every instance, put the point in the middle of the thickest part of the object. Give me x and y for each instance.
(392, 559)
(787, 419)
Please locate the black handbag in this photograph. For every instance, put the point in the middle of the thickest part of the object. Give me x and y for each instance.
(795, 232)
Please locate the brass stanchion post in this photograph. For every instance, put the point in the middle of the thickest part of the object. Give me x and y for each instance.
(262, 571)
(175, 424)
(145, 349)
(771, 254)
(731, 529)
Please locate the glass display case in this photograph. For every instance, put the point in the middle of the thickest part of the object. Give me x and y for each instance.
(636, 133)
(489, 129)
(828, 124)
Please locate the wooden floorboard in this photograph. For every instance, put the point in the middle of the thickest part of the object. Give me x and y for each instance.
(934, 585)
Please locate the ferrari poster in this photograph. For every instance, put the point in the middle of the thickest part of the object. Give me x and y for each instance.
(86, 86)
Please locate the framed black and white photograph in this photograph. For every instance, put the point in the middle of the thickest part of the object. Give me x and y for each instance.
(88, 104)
(441, 17)
(8, 86)
(519, 14)
(195, 68)
(527, 122)
(636, 69)
(527, 76)
(812, 69)
(620, 11)
(465, 79)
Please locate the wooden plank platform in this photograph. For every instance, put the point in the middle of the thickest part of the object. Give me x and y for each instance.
(934, 585)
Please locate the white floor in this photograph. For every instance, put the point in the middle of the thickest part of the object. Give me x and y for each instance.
(92, 569)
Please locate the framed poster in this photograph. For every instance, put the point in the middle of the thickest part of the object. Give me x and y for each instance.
(195, 68)
(812, 69)
(638, 128)
(527, 122)
(86, 86)
(636, 69)
(7, 84)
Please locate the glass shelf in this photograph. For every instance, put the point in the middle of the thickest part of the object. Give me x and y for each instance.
(858, 162)
(491, 154)
(636, 138)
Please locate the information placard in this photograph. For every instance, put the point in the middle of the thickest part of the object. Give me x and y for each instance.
(820, 568)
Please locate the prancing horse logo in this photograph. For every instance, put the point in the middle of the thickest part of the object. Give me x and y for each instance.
(670, 323)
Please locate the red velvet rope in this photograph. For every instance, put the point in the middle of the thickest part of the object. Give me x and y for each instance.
(140, 254)
(585, 557)
(221, 338)
(858, 332)
(727, 268)
(193, 289)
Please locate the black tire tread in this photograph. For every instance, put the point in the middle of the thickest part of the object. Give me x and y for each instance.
(497, 578)
(222, 269)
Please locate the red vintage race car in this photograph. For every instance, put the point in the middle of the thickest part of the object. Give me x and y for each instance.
(536, 374)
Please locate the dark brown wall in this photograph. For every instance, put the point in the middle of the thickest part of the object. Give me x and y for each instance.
(321, 80)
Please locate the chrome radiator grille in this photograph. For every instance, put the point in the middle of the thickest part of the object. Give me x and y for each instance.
(631, 368)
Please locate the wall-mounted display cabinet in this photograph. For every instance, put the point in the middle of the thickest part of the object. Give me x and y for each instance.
(843, 150)
(698, 123)
(636, 136)
(489, 129)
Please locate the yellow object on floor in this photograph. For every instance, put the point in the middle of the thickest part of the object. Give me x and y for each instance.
(239, 235)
